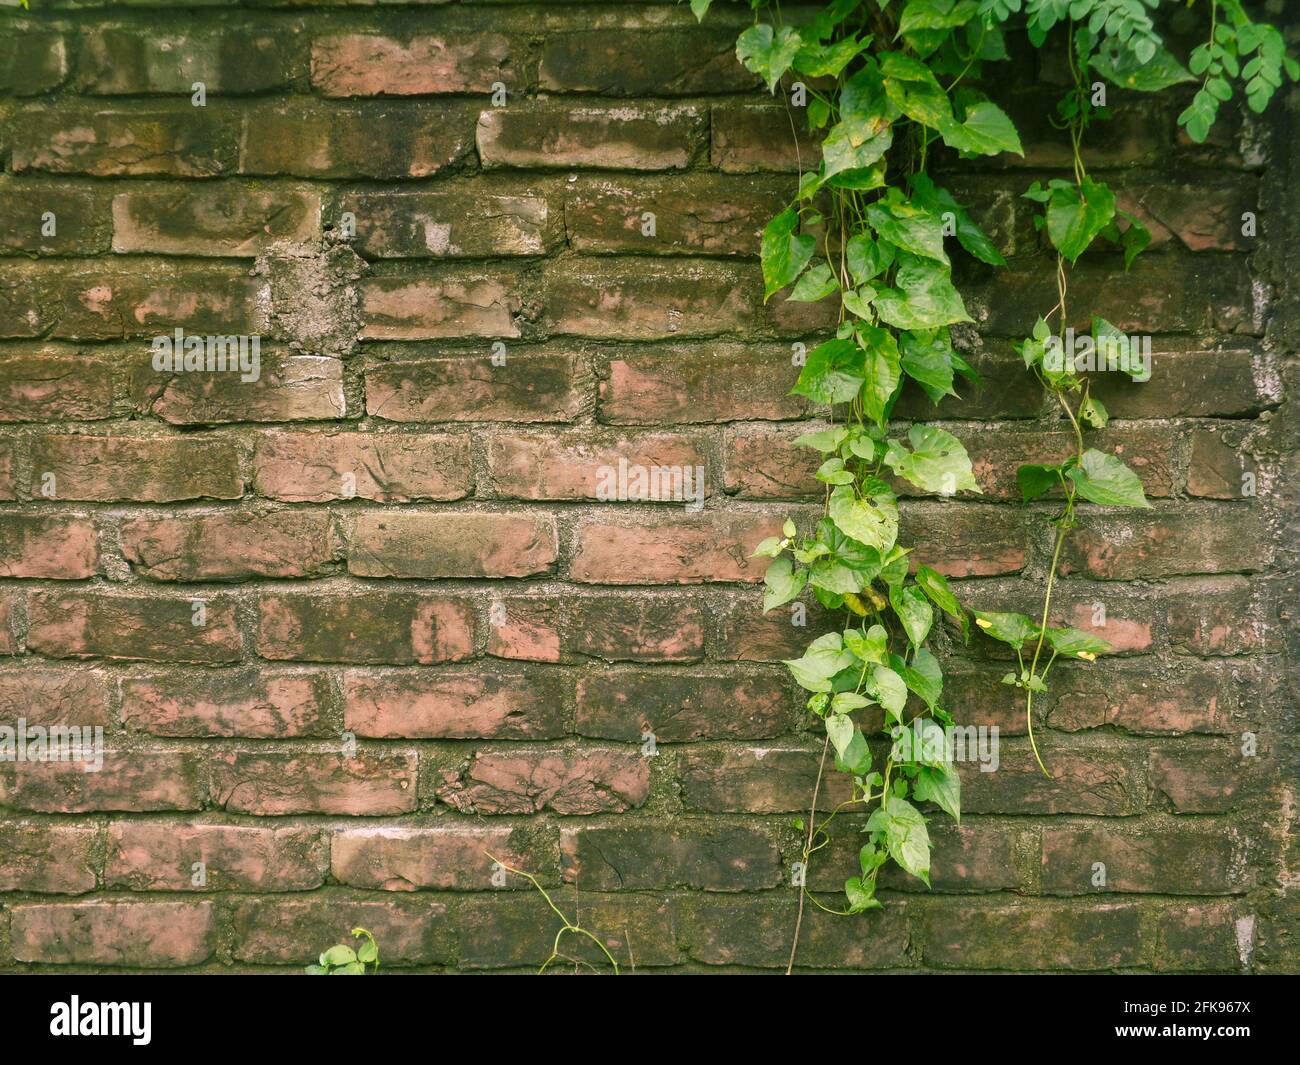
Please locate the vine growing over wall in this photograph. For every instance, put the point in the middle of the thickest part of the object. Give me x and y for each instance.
(887, 84)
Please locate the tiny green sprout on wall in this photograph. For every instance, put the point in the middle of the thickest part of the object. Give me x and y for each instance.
(886, 85)
(343, 960)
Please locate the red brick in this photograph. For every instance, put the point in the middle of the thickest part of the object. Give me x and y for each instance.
(160, 856)
(106, 468)
(614, 628)
(754, 137)
(464, 304)
(1215, 616)
(1218, 464)
(144, 935)
(374, 628)
(81, 220)
(728, 382)
(746, 634)
(385, 141)
(402, 858)
(1188, 699)
(1210, 936)
(1220, 538)
(284, 930)
(54, 696)
(274, 784)
(679, 708)
(58, 548)
(765, 464)
(1194, 780)
(965, 539)
(1201, 216)
(357, 64)
(135, 781)
(1033, 936)
(225, 220)
(161, 629)
(757, 780)
(531, 387)
(427, 546)
(622, 138)
(54, 383)
(689, 550)
(583, 465)
(589, 781)
(246, 703)
(129, 62)
(8, 486)
(111, 142)
(696, 855)
(8, 642)
(424, 705)
(1182, 860)
(644, 61)
(452, 223)
(1196, 384)
(298, 467)
(32, 63)
(1096, 782)
(48, 859)
(642, 300)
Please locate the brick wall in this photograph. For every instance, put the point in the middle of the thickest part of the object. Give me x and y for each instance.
(395, 534)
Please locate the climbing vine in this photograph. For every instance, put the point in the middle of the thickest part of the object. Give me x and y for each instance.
(887, 85)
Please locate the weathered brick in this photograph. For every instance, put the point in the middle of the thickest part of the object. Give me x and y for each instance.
(230, 546)
(63, 548)
(105, 468)
(401, 858)
(700, 214)
(8, 485)
(32, 63)
(48, 859)
(182, 141)
(630, 300)
(1205, 937)
(295, 930)
(134, 781)
(160, 629)
(1219, 465)
(375, 628)
(54, 696)
(621, 138)
(450, 223)
(751, 137)
(427, 546)
(128, 62)
(531, 387)
(644, 62)
(1201, 216)
(461, 304)
(1217, 538)
(965, 539)
(756, 932)
(289, 388)
(1188, 699)
(1197, 780)
(240, 702)
(729, 382)
(8, 641)
(1033, 936)
(385, 141)
(746, 634)
(1170, 860)
(689, 550)
(225, 220)
(279, 783)
(614, 628)
(582, 465)
(1098, 782)
(146, 935)
(79, 217)
(361, 64)
(589, 781)
(55, 383)
(677, 708)
(698, 855)
(300, 467)
(161, 855)
(759, 780)
(1195, 384)
(423, 705)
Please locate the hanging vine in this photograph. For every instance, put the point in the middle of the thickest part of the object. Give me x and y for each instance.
(888, 83)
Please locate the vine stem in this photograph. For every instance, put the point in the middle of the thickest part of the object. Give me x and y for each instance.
(807, 850)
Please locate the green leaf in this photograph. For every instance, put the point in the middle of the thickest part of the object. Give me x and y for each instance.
(847, 702)
(768, 53)
(782, 583)
(870, 646)
(937, 462)
(825, 657)
(1013, 629)
(337, 956)
(906, 836)
(889, 690)
(940, 785)
(369, 953)
(882, 370)
(1075, 216)
(1128, 72)
(699, 8)
(784, 253)
(927, 358)
(861, 895)
(816, 284)
(857, 143)
(874, 522)
(825, 441)
(832, 373)
(840, 729)
(924, 676)
(935, 587)
(856, 757)
(1104, 479)
(1036, 479)
(866, 258)
(1134, 240)
(924, 299)
(986, 131)
(816, 60)
(914, 611)
(910, 228)
(768, 547)
(1093, 413)
(1075, 643)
